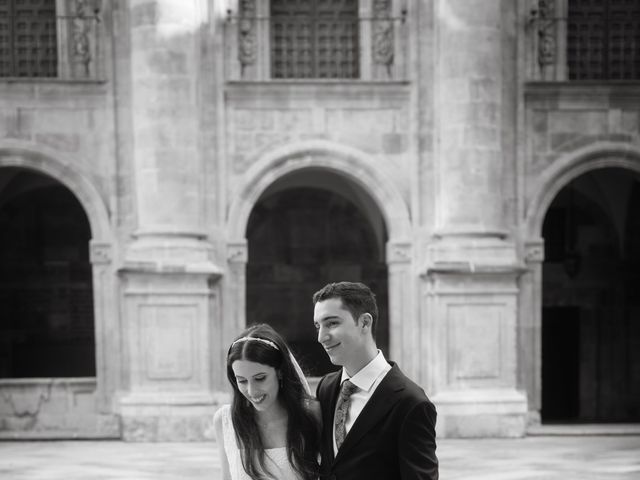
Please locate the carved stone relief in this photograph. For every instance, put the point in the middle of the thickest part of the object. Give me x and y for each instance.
(382, 34)
(546, 33)
(247, 34)
(82, 18)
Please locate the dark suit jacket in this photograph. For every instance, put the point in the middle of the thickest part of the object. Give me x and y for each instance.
(392, 438)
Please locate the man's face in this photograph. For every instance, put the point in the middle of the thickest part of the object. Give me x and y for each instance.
(343, 337)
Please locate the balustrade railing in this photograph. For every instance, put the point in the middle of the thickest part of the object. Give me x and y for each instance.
(62, 47)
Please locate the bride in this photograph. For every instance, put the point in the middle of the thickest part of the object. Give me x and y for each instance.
(271, 429)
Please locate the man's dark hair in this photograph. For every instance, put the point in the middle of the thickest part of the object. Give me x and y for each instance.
(356, 297)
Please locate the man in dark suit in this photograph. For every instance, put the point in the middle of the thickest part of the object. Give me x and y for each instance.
(377, 424)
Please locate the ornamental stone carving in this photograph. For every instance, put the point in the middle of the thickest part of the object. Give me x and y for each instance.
(247, 34)
(237, 252)
(534, 252)
(382, 31)
(399, 252)
(100, 253)
(81, 58)
(546, 32)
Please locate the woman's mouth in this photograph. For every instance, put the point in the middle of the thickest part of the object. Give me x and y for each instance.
(258, 400)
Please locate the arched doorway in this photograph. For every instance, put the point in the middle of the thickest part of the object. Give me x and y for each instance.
(46, 291)
(590, 307)
(309, 228)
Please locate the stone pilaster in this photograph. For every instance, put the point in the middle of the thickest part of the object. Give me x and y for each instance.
(168, 272)
(405, 324)
(530, 328)
(471, 272)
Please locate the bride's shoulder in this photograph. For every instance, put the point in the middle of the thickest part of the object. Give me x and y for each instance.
(221, 413)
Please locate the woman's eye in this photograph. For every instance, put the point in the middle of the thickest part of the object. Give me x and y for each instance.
(260, 379)
(241, 382)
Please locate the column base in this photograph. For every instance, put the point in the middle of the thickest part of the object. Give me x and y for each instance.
(473, 413)
(168, 418)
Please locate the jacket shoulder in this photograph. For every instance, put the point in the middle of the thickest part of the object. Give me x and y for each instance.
(325, 383)
(410, 390)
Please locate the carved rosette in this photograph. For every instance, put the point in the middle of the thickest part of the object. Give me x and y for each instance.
(81, 18)
(382, 32)
(546, 33)
(247, 33)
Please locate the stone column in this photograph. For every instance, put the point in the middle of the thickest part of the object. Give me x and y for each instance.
(168, 270)
(471, 267)
(468, 118)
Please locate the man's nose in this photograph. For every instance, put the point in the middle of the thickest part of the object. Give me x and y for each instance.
(321, 334)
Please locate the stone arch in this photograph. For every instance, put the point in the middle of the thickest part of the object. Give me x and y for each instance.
(566, 168)
(356, 167)
(55, 164)
(345, 161)
(51, 163)
(552, 180)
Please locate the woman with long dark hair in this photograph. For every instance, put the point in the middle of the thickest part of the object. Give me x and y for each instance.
(271, 429)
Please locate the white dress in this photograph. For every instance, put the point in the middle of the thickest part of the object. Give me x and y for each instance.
(275, 458)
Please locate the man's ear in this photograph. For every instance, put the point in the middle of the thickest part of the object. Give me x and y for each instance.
(366, 320)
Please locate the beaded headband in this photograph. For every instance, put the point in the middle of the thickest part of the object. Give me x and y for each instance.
(256, 339)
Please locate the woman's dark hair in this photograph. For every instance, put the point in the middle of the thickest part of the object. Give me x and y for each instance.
(303, 431)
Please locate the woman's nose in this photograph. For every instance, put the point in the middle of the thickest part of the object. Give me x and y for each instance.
(251, 389)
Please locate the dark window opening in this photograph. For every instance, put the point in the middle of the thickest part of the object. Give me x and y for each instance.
(603, 40)
(314, 39)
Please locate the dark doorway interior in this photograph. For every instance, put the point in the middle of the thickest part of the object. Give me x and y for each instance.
(46, 299)
(560, 364)
(590, 316)
(299, 240)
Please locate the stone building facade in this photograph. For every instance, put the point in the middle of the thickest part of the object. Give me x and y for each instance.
(459, 155)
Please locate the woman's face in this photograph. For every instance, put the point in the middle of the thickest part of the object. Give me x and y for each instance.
(258, 383)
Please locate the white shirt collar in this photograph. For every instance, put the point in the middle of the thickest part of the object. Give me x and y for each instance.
(367, 376)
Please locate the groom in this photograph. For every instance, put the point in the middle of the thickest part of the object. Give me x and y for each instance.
(376, 422)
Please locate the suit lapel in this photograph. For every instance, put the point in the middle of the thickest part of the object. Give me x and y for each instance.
(333, 389)
(382, 400)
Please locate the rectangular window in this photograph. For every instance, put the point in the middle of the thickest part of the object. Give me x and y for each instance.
(603, 40)
(314, 39)
(28, 38)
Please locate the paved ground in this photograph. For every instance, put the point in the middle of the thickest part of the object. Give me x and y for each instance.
(532, 458)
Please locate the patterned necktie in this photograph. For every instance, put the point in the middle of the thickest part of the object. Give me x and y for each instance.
(342, 410)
